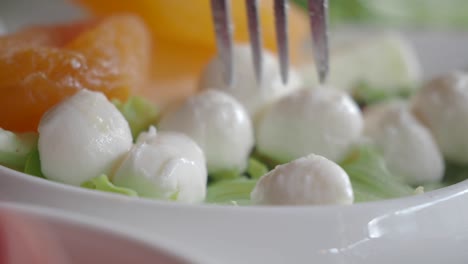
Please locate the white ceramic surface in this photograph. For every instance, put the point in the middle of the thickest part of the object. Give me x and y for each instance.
(84, 241)
(429, 228)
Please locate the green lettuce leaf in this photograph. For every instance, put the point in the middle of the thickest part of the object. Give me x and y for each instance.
(139, 113)
(233, 192)
(365, 95)
(224, 175)
(15, 148)
(256, 168)
(102, 183)
(33, 164)
(370, 177)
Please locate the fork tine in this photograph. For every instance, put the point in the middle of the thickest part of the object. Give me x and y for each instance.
(221, 13)
(281, 21)
(255, 34)
(318, 24)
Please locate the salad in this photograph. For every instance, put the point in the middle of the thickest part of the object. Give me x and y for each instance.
(79, 107)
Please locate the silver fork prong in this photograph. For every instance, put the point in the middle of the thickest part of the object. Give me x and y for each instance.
(318, 10)
(221, 12)
(255, 34)
(281, 21)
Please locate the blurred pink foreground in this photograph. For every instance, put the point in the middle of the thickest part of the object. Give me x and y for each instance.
(23, 240)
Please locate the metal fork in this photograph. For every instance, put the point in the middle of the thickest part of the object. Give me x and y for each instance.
(318, 18)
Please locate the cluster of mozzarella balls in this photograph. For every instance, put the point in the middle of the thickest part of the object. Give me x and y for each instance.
(417, 136)
(86, 136)
(307, 129)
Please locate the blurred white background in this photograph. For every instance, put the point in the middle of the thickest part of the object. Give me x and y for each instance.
(439, 50)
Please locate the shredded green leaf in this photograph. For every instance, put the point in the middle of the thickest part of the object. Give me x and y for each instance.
(367, 95)
(256, 168)
(370, 177)
(139, 113)
(102, 183)
(225, 175)
(231, 192)
(33, 164)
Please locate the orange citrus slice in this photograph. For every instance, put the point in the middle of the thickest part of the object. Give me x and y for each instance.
(40, 67)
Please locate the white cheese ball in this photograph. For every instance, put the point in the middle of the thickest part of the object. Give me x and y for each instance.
(166, 166)
(442, 105)
(311, 180)
(82, 137)
(407, 146)
(220, 126)
(323, 121)
(245, 87)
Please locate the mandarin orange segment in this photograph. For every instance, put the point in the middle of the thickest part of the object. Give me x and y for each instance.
(190, 23)
(34, 77)
(31, 81)
(118, 52)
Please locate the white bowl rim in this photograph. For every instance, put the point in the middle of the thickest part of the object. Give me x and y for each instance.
(426, 197)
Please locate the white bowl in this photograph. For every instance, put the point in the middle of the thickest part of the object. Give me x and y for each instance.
(428, 228)
(84, 241)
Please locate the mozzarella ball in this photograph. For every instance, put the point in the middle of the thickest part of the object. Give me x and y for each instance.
(442, 106)
(82, 137)
(220, 126)
(166, 166)
(311, 180)
(245, 88)
(407, 146)
(323, 121)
